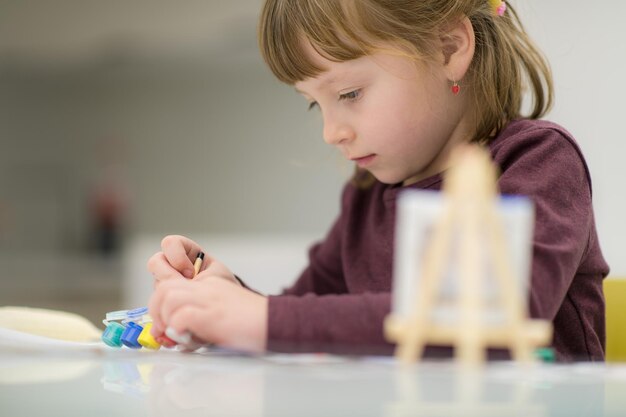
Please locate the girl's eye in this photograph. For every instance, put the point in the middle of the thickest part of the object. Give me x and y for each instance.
(351, 96)
(312, 105)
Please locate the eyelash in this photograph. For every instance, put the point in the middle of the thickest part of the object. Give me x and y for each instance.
(350, 96)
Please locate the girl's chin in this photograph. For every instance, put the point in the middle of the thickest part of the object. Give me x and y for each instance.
(386, 179)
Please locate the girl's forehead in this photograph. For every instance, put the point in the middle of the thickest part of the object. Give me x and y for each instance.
(330, 70)
(313, 55)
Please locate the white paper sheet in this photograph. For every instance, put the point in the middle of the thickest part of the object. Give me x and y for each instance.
(12, 340)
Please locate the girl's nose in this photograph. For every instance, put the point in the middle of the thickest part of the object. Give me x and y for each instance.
(336, 132)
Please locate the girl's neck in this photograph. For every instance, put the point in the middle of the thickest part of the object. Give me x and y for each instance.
(459, 135)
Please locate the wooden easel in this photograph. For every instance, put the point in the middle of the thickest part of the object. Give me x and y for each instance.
(471, 217)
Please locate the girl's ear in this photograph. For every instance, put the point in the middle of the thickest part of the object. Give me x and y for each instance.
(457, 47)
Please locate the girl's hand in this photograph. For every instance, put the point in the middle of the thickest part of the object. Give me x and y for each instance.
(214, 310)
(176, 260)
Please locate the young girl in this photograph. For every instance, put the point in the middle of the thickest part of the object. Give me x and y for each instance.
(399, 85)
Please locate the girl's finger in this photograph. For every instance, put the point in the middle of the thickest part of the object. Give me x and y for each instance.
(185, 320)
(172, 295)
(180, 252)
(174, 300)
(155, 303)
(161, 269)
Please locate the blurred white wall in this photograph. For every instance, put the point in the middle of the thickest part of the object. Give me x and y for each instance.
(204, 140)
(229, 150)
(177, 103)
(177, 100)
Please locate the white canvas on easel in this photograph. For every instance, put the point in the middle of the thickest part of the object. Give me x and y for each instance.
(416, 214)
(462, 267)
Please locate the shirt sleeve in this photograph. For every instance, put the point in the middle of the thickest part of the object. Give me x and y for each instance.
(549, 168)
(345, 323)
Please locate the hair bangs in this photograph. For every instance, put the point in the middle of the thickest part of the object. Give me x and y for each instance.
(286, 26)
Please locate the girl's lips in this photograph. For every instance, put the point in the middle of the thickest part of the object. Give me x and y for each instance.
(364, 161)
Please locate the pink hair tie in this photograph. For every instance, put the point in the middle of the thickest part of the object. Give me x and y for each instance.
(498, 6)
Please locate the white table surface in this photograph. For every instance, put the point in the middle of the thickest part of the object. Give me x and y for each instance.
(170, 383)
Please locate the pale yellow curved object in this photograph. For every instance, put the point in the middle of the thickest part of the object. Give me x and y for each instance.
(55, 324)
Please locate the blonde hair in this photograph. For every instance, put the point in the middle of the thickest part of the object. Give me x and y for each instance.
(505, 58)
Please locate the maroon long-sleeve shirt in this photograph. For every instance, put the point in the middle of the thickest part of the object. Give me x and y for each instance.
(339, 302)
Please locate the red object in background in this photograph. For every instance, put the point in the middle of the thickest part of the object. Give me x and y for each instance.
(108, 210)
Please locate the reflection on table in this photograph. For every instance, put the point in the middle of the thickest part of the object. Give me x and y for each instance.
(224, 384)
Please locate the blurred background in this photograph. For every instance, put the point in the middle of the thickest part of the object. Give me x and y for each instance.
(124, 121)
